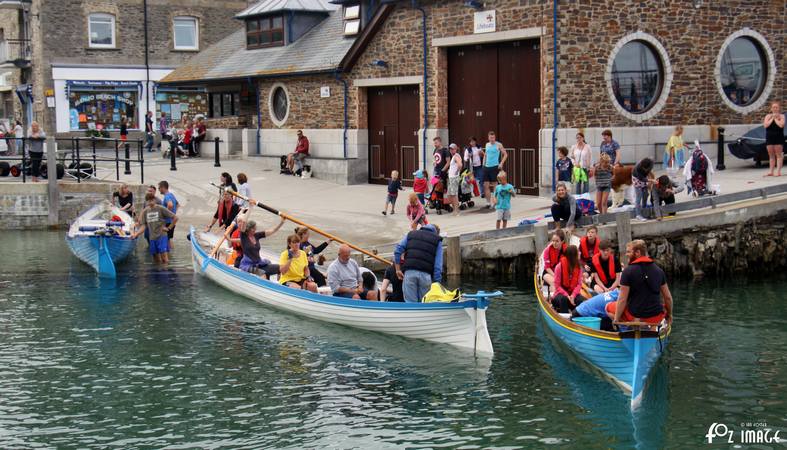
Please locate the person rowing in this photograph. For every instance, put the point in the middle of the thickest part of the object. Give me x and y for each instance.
(294, 266)
(250, 243)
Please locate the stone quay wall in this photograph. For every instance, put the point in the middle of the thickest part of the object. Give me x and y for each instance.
(25, 206)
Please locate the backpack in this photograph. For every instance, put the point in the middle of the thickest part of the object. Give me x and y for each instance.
(588, 207)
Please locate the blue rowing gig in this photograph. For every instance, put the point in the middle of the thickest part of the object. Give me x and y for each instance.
(101, 238)
(461, 324)
(626, 357)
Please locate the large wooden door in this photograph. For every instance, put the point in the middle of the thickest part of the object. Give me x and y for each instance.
(497, 87)
(393, 132)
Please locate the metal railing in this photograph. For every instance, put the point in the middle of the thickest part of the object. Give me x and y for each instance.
(712, 202)
(78, 156)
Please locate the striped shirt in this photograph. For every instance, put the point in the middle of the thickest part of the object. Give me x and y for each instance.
(603, 178)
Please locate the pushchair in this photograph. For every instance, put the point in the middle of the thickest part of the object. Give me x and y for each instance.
(467, 187)
(436, 197)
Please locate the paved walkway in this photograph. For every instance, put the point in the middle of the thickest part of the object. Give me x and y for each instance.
(353, 212)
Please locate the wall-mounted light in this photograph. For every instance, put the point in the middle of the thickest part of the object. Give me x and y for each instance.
(474, 4)
(380, 63)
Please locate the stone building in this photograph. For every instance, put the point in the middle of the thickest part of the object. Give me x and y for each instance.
(89, 65)
(14, 61)
(408, 71)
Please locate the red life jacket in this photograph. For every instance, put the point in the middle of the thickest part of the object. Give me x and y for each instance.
(583, 249)
(602, 274)
(236, 235)
(555, 255)
(569, 283)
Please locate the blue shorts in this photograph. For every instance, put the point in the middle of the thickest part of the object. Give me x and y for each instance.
(160, 245)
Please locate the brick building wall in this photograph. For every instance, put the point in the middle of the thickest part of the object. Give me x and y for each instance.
(307, 108)
(10, 107)
(63, 35)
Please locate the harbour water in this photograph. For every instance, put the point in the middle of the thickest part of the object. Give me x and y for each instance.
(163, 358)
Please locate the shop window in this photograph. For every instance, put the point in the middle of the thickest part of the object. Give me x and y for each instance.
(176, 104)
(102, 109)
(352, 20)
(186, 33)
(743, 71)
(637, 75)
(279, 104)
(223, 104)
(101, 30)
(265, 32)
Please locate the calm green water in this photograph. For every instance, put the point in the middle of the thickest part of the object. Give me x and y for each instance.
(162, 358)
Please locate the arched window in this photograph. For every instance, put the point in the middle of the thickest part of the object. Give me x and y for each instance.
(279, 104)
(745, 71)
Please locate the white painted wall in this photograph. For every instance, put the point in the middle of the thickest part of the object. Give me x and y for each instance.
(85, 73)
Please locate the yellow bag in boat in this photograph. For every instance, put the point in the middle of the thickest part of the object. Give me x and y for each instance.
(438, 293)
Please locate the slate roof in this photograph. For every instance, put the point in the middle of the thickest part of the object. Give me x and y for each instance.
(271, 6)
(320, 49)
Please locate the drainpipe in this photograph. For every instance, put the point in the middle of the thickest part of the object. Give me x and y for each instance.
(346, 119)
(426, 86)
(259, 116)
(289, 27)
(554, 89)
(147, 62)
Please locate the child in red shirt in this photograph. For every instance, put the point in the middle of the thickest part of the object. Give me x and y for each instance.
(420, 185)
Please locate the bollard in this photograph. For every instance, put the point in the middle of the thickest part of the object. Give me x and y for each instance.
(540, 237)
(128, 160)
(720, 150)
(217, 163)
(172, 156)
(453, 256)
(623, 221)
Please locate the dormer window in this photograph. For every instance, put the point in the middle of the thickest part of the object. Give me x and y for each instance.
(352, 20)
(264, 32)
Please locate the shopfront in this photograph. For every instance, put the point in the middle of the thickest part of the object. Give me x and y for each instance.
(102, 105)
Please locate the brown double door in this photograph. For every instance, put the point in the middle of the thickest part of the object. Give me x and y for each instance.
(393, 132)
(497, 87)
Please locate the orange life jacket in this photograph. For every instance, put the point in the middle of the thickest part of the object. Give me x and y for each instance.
(555, 255)
(569, 282)
(642, 259)
(602, 274)
(583, 248)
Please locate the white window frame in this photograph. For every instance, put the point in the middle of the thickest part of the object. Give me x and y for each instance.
(277, 122)
(770, 65)
(90, 29)
(193, 19)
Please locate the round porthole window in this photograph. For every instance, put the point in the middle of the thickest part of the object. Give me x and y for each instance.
(744, 71)
(279, 104)
(638, 76)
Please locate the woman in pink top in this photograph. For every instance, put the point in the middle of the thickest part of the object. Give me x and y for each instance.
(581, 155)
(416, 212)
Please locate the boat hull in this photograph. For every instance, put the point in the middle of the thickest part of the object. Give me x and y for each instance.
(625, 358)
(102, 253)
(461, 324)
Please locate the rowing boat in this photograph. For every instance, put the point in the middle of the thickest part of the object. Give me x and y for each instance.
(461, 324)
(626, 357)
(101, 237)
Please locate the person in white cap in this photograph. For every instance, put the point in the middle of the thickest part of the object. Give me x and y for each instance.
(454, 170)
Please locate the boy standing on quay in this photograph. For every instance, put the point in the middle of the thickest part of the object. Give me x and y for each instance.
(394, 186)
(502, 200)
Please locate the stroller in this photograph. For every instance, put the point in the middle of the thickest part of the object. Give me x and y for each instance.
(467, 188)
(436, 196)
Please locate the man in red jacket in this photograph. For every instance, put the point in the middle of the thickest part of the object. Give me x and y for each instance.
(300, 153)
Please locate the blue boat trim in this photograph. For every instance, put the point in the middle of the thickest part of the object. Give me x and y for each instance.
(480, 302)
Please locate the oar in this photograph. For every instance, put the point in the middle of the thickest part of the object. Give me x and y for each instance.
(315, 229)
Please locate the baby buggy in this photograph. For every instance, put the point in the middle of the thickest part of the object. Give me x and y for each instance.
(435, 199)
(467, 189)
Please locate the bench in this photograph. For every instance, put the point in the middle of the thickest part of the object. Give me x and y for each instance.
(336, 170)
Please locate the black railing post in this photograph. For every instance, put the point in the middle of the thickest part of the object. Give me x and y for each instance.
(128, 159)
(117, 163)
(79, 163)
(172, 156)
(216, 163)
(720, 149)
(24, 158)
(93, 145)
